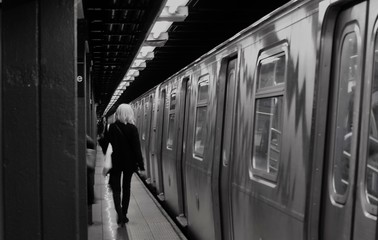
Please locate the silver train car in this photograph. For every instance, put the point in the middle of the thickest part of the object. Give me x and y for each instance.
(273, 134)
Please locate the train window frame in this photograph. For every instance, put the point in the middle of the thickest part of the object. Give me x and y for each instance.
(171, 115)
(200, 104)
(142, 117)
(370, 207)
(336, 128)
(145, 109)
(275, 93)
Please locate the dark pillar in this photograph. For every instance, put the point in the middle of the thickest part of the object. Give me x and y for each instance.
(85, 212)
(59, 119)
(91, 106)
(1, 144)
(21, 126)
(39, 124)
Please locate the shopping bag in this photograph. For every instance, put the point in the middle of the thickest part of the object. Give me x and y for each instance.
(91, 158)
(108, 160)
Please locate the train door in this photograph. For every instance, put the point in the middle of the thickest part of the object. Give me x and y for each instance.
(340, 192)
(182, 131)
(199, 197)
(223, 140)
(160, 123)
(144, 110)
(147, 129)
(365, 213)
(1, 137)
(151, 143)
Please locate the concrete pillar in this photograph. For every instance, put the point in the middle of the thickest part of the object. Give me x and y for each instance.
(81, 95)
(1, 143)
(39, 133)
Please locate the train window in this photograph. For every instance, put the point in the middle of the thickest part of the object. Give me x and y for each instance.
(200, 127)
(142, 106)
(268, 132)
(270, 87)
(272, 71)
(173, 100)
(371, 180)
(145, 109)
(199, 142)
(202, 91)
(170, 130)
(171, 121)
(345, 113)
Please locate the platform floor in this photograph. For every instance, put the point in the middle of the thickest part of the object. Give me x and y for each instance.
(148, 220)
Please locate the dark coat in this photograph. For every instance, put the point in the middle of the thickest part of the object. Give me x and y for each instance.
(127, 154)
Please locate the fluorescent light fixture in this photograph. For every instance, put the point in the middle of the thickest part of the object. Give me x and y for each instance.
(156, 42)
(162, 36)
(159, 27)
(174, 4)
(132, 72)
(129, 78)
(149, 56)
(174, 14)
(145, 50)
(139, 64)
(122, 84)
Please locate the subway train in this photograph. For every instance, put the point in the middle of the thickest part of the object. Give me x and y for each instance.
(273, 134)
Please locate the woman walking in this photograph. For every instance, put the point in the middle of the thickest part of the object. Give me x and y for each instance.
(126, 158)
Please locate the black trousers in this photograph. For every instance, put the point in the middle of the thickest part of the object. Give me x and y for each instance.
(90, 186)
(115, 185)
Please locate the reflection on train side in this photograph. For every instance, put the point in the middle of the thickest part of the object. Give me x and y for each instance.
(372, 161)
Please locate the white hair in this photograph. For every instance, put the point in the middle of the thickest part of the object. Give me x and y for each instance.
(125, 114)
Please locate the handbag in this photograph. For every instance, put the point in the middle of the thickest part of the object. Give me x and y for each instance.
(91, 158)
(108, 160)
(103, 142)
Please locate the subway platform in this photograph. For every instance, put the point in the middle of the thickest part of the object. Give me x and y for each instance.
(148, 220)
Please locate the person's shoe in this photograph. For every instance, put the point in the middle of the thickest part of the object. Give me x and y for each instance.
(121, 223)
(120, 220)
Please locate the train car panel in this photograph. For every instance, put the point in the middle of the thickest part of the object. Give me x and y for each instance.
(273, 99)
(343, 125)
(365, 217)
(349, 175)
(153, 148)
(200, 148)
(169, 162)
(198, 176)
(148, 127)
(147, 133)
(227, 81)
(160, 122)
(183, 101)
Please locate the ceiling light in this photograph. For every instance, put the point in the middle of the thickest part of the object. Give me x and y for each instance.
(129, 78)
(145, 50)
(159, 27)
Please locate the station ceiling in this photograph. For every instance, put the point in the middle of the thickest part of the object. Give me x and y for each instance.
(117, 28)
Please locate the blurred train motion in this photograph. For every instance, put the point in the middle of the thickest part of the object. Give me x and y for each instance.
(273, 134)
